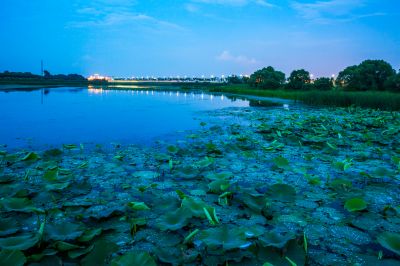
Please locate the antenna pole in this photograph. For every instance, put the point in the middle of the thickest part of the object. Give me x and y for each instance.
(41, 68)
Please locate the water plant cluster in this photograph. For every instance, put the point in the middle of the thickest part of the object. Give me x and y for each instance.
(251, 187)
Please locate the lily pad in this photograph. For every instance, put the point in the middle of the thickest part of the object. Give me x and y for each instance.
(175, 220)
(8, 226)
(225, 237)
(64, 231)
(355, 204)
(21, 242)
(391, 241)
(282, 192)
(138, 206)
(12, 257)
(275, 239)
(194, 206)
(19, 205)
(31, 156)
(101, 252)
(134, 258)
(145, 174)
(281, 162)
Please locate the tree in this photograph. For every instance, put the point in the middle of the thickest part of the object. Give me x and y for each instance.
(267, 78)
(323, 84)
(233, 79)
(299, 80)
(393, 83)
(369, 75)
(46, 74)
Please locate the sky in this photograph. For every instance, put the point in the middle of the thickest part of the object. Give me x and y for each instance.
(196, 37)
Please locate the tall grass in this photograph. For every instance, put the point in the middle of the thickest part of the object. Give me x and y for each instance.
(367, 99)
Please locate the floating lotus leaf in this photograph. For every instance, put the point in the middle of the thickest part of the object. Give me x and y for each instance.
(138, 206)
(134, 258)
(64, 246)
(355, 204)
(281, 162)
(219, 186)
(172, 149)
(12, 258)
(205, 162)
(89, 234)
(41, 255)
(57, 186)
(8, 226)
(218, 176)
(256, 202)
(52, 153)
(64, 231)
(194, 206)
(102, 250)
(19, 205)
(187, 172)
(275, 239)
(146, 174)
(21, 242)
(175, 220)
(225, 237)
(4, 179)
(282, 192)
(73, 254)
(70, 146)
(391, 241)
(341, 183)
(51, 175)
(31, 156)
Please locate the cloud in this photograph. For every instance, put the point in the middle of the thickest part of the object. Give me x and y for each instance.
(103, 13)
(325, 12)
(236, 2)
(239, 59)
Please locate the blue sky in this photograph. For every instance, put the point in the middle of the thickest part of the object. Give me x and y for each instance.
(196, 37)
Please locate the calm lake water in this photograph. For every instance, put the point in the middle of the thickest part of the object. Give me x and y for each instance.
(50, 117)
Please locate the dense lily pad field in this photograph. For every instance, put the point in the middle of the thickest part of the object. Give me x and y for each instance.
(253, 186)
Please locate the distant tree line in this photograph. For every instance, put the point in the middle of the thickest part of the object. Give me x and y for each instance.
(369, 75)
(7, 75)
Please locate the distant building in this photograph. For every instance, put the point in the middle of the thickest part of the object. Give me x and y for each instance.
(99, 77)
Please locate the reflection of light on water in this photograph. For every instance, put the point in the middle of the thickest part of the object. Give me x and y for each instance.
(170, 93)
(211, 97)
(286, 106)
(222, 97)
(202, 96)
(152, 92)
(177, 93)
(93, 90)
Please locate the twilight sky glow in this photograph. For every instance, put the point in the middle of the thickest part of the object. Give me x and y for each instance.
(196, 37)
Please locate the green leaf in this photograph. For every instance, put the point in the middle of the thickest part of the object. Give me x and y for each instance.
(31, 156)
(19, 205)
(134, 258)
(211, 215)
(194, 206)
(51, 175)
(390, 241)
(175, 220)
(89, 234)
(8, 226)
(172, 149)
(102, 250)
(225, 237)
(64, 246)
(64, 231)
(190, 236)
(275, 239)
(57, 186)
(218, 186)
(145, 174)
(138, 206)
(21, 242)
(282, 192)
(73, 254)
(12, 258)
(355, 204)
(281, 162)
(70, 146)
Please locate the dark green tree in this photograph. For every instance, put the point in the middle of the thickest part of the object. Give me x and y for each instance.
(233, 79)
(323, 84)
(369, 75)
(393, 83)
(299, 80)
(267, 78)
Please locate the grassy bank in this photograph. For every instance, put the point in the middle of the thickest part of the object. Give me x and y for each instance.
(367, 99)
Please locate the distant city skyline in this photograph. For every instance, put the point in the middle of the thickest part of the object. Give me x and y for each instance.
(126, 38)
